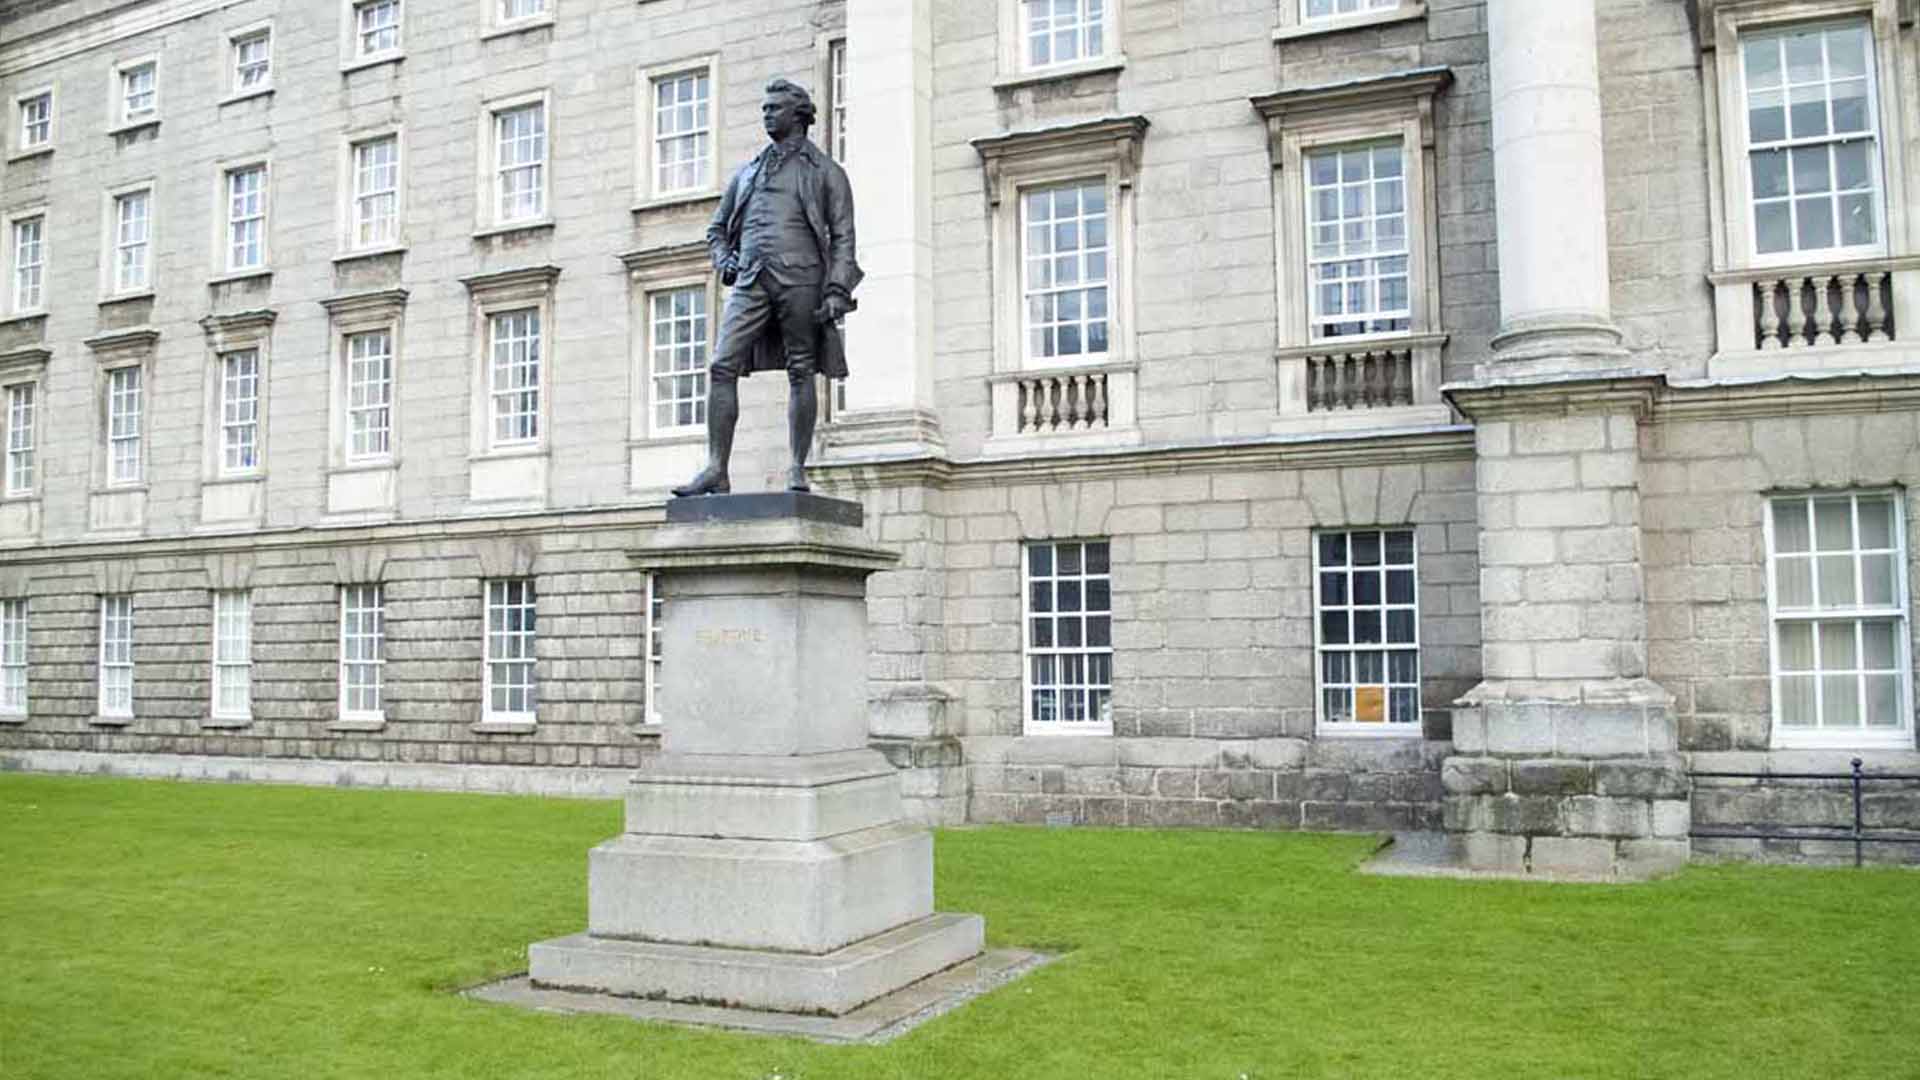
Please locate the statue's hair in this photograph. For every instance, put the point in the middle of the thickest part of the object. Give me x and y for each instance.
(805, 112)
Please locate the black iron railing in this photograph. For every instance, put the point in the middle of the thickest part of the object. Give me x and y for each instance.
(1859, 836)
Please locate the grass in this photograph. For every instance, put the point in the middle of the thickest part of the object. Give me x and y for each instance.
(171, 930)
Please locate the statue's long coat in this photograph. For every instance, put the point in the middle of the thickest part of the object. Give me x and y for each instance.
(828, 199)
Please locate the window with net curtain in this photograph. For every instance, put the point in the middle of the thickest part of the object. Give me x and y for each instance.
(1840, 638)
(1813, 147)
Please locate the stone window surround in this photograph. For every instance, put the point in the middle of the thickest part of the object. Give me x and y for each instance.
(110, 238)
(135, 347)
(356, 566)
(517, 472)
(360, 313)
(351, 58)
(496, 24)
(228, 334)
(17, 592)
(222, 241)
(1859, 737)
(825, 46)
(118, 122)
(645, 195)
(1295, 25)
(1014, 70)
(16, 132)
(8, 252)
(653, 271)
(24, 366)
(652, 615)
(1090, 728)
(505, 559)
(486, 179)
(345, 186)
(1303, 120)
(232, 40)
(1735, 267)
(115, 577)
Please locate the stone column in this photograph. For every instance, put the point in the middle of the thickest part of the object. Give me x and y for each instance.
(1550, 188)
(765, 862)
(890, 410)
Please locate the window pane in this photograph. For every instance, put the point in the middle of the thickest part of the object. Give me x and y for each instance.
(1790, 529)
(1836, 581)
(1837, 651)
(1883, 701)
(1797, 701)
(1839, 701)
(1796, 647)
(1793, 582)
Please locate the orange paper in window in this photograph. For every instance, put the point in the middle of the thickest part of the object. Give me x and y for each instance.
(1370, 704)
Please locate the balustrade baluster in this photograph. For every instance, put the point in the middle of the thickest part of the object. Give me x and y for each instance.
(1796, 312)
(1765, 291)
(1877, 305)
(1029, 408)
(1849, 309)
(1100, 399)
(1079, 420)
(1369, 379)
(1822, 309)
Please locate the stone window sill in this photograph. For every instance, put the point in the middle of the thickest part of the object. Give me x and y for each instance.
(102, 720)
(19, 497)
(677, 199)
(30, 154)
(1369, 733)
(1096, 66)
(235, 276)
(23, 316)
(226, 723)
(387, 464)
(369, 253)
(121, 298)
(649, 730)
(678, 437)
(13, 718)
(530, 450)
(536, 225)
(504, 30)
(504, 727)
(361, 724)
(132, 126)
(361, 63)
(246, 95)
(1321, 27)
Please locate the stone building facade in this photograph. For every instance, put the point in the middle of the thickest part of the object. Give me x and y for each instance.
(1353, 414)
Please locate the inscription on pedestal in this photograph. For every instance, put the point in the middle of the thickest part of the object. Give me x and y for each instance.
(730, 635)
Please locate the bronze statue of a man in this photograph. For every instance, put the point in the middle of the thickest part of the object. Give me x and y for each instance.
(783, 238)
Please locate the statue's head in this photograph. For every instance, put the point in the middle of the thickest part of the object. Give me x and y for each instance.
(786, 108)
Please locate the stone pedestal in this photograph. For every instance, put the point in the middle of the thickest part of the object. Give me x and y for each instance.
(765, 863)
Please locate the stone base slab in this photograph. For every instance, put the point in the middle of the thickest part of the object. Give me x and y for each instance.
(753, 797)
(832, 984)
(797, 896)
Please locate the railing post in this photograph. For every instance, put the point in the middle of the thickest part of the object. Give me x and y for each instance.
(1856, 813)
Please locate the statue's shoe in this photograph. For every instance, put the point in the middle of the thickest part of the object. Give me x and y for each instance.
(708, 481)
(797, 479)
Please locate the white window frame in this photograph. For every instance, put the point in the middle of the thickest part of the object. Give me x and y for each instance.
(504, 332)
(236, 39)
(22, 436)
(1750, 209)
(1861, 736)
(492, 172)
(231, 666)
(16, 301)
(363, 617)
(112, 397)
(356, 197)
(1316, 320)
(834, 112)
(652, 654)
(14, 666)
(351, 316)
(1386, 727)
(109, 657)
(225, 221)
(112, 285)
(22, 145)
(496, 18)
(1016, 55)
(238, 430)
(1083, 286)
(378, 426)
(122, 118)
(647, 165)
(1030, 652)
(527, 601)
(704, 348)
(353, 51)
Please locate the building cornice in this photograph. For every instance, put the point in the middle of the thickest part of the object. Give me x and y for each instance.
(114, 343)
(22, 361)
(670, 260)
(98, 29)
(1112, 139)
(531, 279)
(1632, 392)
(379, 303)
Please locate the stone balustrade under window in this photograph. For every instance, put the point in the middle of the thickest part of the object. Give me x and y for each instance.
(1077, 406)
(1339, 384)
(1820, 316)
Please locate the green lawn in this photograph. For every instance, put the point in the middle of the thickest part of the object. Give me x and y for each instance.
(171, 930)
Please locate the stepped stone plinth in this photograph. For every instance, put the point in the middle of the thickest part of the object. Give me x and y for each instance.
(766, 863)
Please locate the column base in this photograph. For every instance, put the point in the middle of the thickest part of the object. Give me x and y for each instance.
(831, 984)
(1568, 780)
